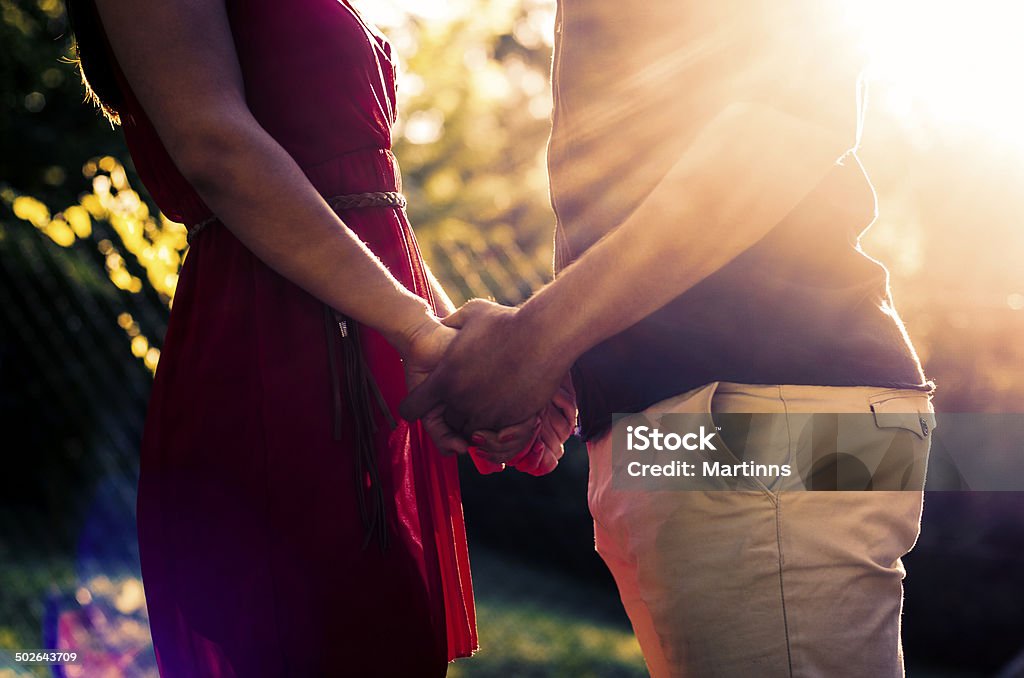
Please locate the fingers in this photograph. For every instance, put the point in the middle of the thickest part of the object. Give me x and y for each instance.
(548, 449)
(568, 386)
(547, 463)
(558, 420)
(537, 456)
(422, 399)
(564, 401)
(541, 461)
(553, 436)
(547, 434)
(561, 422)
(540, 458)
(543, 455)
(484, 466)
(447, 441)
(508, 442)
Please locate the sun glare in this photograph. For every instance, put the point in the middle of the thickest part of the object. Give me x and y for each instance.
(945, 63)
(953, 64)
(390, 12)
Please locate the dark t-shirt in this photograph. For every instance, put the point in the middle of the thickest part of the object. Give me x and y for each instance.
(632, 85)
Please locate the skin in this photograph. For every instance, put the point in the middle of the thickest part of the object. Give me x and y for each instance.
(743, 172)
(181, 63)
(536, 444)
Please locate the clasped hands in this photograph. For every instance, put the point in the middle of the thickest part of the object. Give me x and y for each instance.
(481, 385)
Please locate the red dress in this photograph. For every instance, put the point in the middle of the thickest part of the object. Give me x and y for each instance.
(250, 536)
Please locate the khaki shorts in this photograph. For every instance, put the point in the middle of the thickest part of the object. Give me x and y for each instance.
(765, 581)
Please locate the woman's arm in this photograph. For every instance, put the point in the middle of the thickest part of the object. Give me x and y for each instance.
(180, 60)
(442, 301)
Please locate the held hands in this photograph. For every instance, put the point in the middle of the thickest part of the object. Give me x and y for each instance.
(542, 452)
(474, 381)
(494, 373)
(425, 346)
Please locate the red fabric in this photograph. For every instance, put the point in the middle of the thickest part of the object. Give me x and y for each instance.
(249, 533)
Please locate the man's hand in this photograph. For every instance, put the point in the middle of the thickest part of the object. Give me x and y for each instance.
(494, 374)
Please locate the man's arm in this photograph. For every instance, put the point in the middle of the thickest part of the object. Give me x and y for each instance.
(742, 174)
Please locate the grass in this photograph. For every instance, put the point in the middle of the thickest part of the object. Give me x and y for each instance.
(535, 624)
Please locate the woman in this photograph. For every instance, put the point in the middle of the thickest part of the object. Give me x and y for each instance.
(289, 525)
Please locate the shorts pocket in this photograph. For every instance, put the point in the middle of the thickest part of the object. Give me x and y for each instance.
(906, 420)
(911, 411)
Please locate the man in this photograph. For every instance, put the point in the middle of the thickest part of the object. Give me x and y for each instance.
(708, 203)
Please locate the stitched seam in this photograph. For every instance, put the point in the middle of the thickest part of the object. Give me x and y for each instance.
(757, 485)
(778, 537)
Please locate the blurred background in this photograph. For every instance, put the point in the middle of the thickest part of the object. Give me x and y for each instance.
(88, 269)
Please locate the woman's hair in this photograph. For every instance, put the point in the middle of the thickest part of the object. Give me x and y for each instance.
(95, 64)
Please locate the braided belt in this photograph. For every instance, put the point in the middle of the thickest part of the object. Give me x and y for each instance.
(338, 203)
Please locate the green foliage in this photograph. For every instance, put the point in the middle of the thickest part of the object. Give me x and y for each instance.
(475, 122)
(474, 117)
(46, 133)
(471, 138)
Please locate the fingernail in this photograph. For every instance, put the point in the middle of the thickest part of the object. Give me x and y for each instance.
(478, 439)
(506, 437)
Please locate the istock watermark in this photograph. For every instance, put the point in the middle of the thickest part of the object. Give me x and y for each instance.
(872, 451)
(648, 438)
(645, 437)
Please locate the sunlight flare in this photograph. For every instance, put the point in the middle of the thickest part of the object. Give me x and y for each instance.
(947, 62)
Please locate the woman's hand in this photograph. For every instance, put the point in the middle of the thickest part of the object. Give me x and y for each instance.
(557, 423)
(495, 375)
(539, 441)
(421, 349)
(492, 450)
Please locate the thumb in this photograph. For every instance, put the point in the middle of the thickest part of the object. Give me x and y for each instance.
(422, 399)
(468, 311)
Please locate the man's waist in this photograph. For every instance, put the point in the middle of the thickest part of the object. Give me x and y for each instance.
(743, 340)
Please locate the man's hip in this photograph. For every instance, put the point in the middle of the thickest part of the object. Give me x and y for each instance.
(773, 579)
